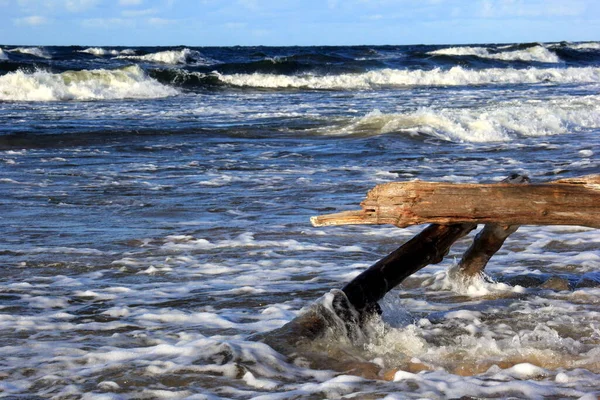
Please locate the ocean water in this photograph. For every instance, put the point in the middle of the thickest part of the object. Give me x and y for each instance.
(155, 220)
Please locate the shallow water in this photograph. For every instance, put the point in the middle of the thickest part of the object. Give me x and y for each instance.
(154, 225)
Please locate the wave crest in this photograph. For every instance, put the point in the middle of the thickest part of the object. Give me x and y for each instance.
(100, 52)
(32, 51)
(586, 46)
(183, 56)
(531, 54)
(488, 124)
(99, 84)
(3, 55)
(456, 76)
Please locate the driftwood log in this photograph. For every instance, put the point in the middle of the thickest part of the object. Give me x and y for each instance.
(488, 241)
(564, 202)
(454, 210)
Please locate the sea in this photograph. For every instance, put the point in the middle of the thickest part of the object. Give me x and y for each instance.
(155, 217)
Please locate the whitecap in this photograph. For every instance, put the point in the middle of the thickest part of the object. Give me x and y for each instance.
(585, 46)
(99, 84)
(168, 57)
(531, 54)
(100, 52)
(501, 122)
(456, 76)
(3, 55)
(33, 51)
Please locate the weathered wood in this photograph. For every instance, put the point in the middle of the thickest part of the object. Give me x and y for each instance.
(484, 246)
(428, 247)
(563, 202)
(488, 241)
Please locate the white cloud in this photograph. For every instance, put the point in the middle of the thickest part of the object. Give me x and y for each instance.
(249, 4)
(130, 2)
(160, 21)
(32, 20)
(54, 6)
(80, 5)
(107, 23)
(235, 25)
(139, 13)
(530, 8)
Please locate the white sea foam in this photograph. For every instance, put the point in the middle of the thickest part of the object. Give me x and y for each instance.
(168, 57)
(586, 46)
(129, 82)
(99, 51)
(456, 76)
(3, 55)
(535, 53)
(500, 122)
(34, 51)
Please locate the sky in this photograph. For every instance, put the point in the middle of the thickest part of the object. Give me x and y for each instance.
(295, 22)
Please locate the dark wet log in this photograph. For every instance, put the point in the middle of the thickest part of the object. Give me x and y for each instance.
(428, 247)
(564, 202)
(484, 246)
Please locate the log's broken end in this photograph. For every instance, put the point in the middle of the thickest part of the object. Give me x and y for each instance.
(355, 217)
(574, 201)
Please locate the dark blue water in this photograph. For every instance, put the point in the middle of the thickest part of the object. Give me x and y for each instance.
(156, 203)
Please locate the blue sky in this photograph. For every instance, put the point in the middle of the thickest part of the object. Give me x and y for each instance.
(295, 22)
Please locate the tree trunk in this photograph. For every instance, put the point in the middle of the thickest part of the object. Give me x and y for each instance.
(428, 247)
(564, 202)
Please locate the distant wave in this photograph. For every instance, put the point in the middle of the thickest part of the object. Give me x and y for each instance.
(456, 76)
(128, 82)
(33, 51)
(3, 55)
(535, 53)
(183, 56)
(586, 46)
(486, 124)
(100, 52)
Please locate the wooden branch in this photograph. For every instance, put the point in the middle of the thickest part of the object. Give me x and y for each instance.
(428, 247)
(564, 202)
(488, 241)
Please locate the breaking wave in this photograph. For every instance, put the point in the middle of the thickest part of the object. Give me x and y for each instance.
(3, 55)
(32, 51)
(456, 76)
(100, 52)
(488, 124)
(586, 46)
(535, 53)
(99, 84)
(168, 57)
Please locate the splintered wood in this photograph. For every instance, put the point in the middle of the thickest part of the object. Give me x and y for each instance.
(564, 202)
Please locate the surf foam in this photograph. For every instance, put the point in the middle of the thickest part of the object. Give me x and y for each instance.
(536, 54)
(100, 52)
(33, 51)
(99, 84)
(3, 55)
(456, 76)
(487, 124)
(586, 46)
(167, 57)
